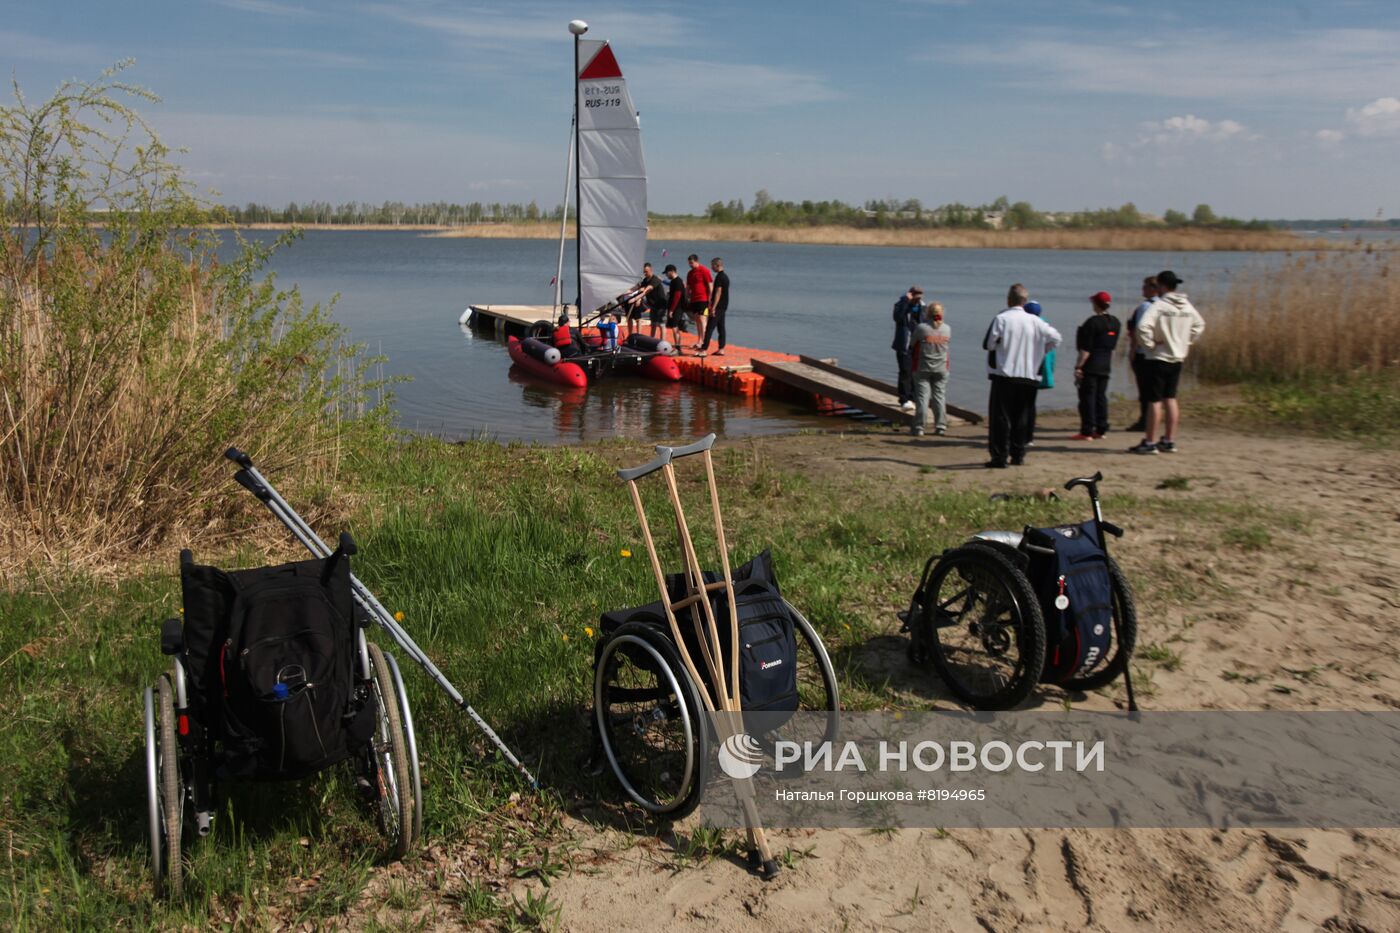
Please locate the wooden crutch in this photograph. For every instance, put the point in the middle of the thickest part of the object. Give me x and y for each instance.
(723, 701)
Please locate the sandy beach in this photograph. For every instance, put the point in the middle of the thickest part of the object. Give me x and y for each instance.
(1301, 622)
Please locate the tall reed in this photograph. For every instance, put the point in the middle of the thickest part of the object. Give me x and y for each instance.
(1320, 315)
(130, 357)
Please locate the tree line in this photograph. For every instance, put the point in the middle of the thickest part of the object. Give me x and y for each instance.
(764, 209)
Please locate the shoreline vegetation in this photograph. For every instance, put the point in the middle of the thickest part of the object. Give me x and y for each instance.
(1155, 239)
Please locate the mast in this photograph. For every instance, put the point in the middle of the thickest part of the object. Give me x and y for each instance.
(578, 27)
(563, 228)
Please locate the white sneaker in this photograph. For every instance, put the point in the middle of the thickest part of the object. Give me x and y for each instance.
(908, 406)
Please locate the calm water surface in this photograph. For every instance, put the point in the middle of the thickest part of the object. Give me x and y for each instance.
(402, 294)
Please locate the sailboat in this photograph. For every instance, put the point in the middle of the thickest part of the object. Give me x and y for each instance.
(608, 174)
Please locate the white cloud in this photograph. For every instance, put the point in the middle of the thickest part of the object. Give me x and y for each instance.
(1329, 137)
(514, 25)
(1177, 137)
(1381, 117)
(702, 85)
(264, 7)
(1321, 65)
(1189, 129)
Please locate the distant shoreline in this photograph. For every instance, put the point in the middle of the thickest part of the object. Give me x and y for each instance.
(1150, 239)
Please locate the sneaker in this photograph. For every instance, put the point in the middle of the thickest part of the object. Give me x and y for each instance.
(940, 431)
(916, 432)
(719, 353)
(907, 406)
(1030, 443)
(1143, 447)
(1100, 435)
(1166, 446)
(994, 465)
(1081, 436)
(1018, 461)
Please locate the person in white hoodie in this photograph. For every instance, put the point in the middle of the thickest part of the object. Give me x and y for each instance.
(1016, 344)
(1165, 332)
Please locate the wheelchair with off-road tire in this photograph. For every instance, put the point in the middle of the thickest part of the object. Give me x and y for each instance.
(1005, 611)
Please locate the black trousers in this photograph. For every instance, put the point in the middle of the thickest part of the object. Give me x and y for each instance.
(715, 323)
(1093, 403)
(1009, 418)
(1138, 377)
(906, 376)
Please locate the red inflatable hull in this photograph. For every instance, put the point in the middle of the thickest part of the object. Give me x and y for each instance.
(562, 372)
(662, 369)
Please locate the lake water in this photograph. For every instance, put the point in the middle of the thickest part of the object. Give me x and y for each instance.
(402, 294)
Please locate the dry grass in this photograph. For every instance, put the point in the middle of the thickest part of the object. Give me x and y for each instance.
(1320, 315)
(115, 406)
(1156, 239)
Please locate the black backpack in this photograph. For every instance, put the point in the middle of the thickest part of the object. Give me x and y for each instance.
(1078, 628)
(272, 665)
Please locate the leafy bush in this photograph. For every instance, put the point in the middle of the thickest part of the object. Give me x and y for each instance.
(130, 356)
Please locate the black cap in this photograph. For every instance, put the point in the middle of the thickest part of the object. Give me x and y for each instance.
(670, 267)
(1168, 278)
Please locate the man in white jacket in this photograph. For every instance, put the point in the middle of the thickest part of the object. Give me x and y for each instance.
(1165, 332)
(1016, 344)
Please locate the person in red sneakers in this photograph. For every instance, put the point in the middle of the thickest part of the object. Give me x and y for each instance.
(1095, 340)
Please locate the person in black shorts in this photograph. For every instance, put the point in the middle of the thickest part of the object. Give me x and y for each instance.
(675, 306)
(1095, 341)
(641, 302)
(1165, 331)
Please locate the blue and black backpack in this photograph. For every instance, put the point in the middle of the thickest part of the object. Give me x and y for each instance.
(1075, 590)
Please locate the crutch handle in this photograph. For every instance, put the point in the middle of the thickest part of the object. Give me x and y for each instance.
(663, 458)
(238, 457)
(244, 479)
(699, 447)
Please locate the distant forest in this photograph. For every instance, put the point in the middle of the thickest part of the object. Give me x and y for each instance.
(1001, 214)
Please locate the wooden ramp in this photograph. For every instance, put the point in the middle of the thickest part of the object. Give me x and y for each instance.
(856, 390)
(888, 388)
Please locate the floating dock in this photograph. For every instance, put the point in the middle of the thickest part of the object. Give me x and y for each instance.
(743, 371)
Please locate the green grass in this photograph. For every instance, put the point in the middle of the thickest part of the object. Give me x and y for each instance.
(1360, 405)
(501, 559)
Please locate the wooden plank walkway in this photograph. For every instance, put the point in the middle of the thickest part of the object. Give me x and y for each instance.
(835, 385)
(745, 371)
(888, 388)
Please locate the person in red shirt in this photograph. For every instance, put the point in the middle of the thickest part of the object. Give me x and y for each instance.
(697, 286)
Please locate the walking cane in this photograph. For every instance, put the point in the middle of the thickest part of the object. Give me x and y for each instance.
(720, 692)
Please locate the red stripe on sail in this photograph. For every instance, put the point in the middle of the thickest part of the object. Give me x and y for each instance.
(604, 65)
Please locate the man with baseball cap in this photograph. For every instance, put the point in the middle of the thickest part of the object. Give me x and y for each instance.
(906, 313)
(1165, 331)
(1095, 340)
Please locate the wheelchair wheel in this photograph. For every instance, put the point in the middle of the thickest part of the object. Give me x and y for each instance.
(392, 780)
(650, 721)
(1124, 635)
(987, 631)
(817, 691)
(406, 720)
(165, 792)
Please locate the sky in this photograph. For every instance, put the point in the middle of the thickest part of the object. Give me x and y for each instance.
(1260, 109)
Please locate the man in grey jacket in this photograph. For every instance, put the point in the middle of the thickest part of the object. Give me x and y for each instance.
(1165, 332)
(1016, 344)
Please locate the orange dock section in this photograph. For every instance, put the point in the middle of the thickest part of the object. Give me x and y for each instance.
(732, 372)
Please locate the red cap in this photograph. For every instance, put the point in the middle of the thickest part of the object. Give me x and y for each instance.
(1103, 298)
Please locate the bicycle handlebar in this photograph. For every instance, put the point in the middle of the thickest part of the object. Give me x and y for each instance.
(636, 473)
(238, 457)
(1090, 481)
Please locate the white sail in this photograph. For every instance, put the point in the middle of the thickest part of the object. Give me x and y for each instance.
(612, 174)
